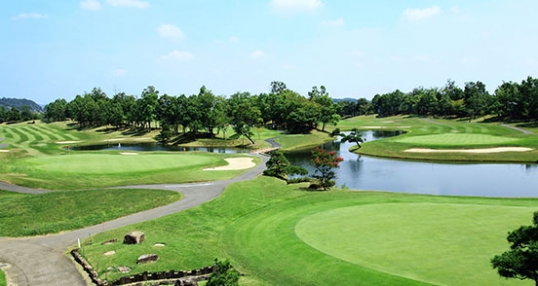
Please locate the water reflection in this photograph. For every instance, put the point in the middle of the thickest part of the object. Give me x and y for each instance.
(465, 179)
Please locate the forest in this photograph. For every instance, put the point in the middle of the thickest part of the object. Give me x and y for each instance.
(206, 114)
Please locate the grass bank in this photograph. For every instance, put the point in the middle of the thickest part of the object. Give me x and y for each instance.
(28, 215)
(280, 234)
(439, 134)
(3, 281)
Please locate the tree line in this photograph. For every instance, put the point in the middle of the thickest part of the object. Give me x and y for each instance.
(281, 108)
(510, 101)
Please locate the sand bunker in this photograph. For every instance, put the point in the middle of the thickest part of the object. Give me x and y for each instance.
(128, 153)
(3, 151)
(67, 142)
(485, 150)
(235, 164)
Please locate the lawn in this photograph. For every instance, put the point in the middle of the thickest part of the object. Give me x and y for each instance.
(280, 234)
(3, 281)
(27, 215)
(443, 134)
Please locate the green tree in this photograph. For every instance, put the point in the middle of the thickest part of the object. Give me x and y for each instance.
(325, 162)
(148, 105)
(224, 274)
(353, 137)
(56, 110)
(521, 261)
(279, 166)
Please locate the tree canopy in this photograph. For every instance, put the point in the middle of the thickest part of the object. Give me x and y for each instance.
(521, 261)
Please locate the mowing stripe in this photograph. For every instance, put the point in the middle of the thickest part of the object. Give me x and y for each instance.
(38, 137)
(41, 128)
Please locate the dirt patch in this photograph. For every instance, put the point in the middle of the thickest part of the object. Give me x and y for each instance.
(235, 164)
(67, 142)
(484, 150)
(128, 153)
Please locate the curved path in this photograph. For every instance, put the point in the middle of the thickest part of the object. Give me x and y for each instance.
(41, 260)
(518, 129)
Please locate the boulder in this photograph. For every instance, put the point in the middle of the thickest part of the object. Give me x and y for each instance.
(134, 237)
(146, 258)
(186, 282)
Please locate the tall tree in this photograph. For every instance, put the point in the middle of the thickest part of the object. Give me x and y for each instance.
(327, 108)
(521, 261)
(148, 105)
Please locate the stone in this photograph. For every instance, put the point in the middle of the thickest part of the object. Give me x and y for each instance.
(186, 282)
(146, 258)
(134, 237)
(111, 241)
(124, 269)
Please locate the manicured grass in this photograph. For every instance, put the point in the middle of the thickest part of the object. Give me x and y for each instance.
(452, 139)
(3, 281)
(292, 142)
(116, 163)
(105, 169)
(416, 240)
(260, 226)
(25, 215)
(443, 134)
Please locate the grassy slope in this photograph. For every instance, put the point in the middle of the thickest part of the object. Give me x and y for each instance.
(25, 215)
(444, 134)
(254, 224)
(3, 281)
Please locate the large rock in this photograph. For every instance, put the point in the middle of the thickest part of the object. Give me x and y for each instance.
(134, 237)
(186, 282)
(146, 258)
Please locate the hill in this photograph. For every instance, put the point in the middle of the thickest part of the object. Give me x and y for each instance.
(19, 103)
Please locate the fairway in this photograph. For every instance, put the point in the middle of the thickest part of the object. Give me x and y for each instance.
(117, 163)
(454, 139)
(422, 241)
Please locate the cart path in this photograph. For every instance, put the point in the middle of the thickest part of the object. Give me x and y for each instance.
(518, 129)
(41, 260)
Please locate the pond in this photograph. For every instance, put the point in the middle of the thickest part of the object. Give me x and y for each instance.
(160, 147)
(370, 173)
(461, 179)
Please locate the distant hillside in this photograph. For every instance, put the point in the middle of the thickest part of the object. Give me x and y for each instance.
(19, 103)
(336, 100)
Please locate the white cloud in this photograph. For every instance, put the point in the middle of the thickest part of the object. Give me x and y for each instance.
(332, 23)
(90, 5)
(128, 3)
(257, 54)
(421, 14)
(29, 16)
(170, 31)
(291, 6)
(176, 55)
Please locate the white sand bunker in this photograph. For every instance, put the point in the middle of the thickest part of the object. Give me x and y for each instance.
(128, 153)
(235, 164)
(485, 150)
(3, 151)
(67, 142)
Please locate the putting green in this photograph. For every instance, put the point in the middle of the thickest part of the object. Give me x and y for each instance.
(117, 163)
(428, 242)
(455, 139)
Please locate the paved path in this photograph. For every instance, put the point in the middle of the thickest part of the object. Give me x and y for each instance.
(41, 260)
(3, 145)
(518, 129)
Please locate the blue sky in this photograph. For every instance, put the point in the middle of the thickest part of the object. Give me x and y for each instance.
(356, 48)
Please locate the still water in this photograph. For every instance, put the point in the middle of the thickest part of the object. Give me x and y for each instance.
(370, 173)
